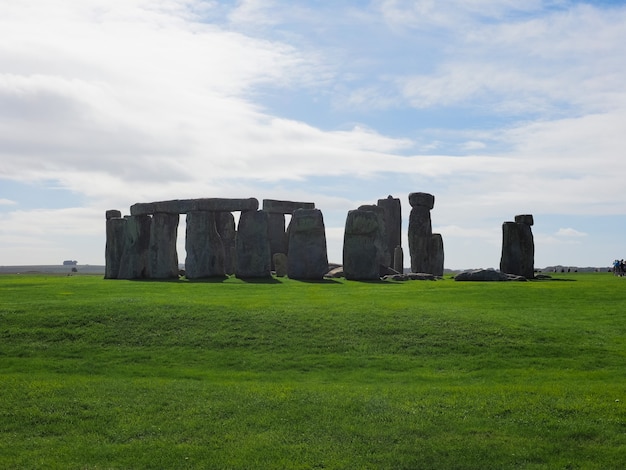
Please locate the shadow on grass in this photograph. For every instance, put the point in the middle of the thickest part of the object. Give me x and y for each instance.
(330, 281)
(548, 279)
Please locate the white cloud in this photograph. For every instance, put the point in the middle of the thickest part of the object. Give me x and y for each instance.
(7, 202)
(570, 232)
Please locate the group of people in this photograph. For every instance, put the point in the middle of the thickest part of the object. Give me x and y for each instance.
(619, 267)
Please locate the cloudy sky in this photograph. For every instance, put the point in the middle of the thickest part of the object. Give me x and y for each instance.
(497, 107)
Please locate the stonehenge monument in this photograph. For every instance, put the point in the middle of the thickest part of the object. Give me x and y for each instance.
(142, 245)
(518, 247)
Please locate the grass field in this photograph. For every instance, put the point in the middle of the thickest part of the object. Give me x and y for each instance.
(98, 374)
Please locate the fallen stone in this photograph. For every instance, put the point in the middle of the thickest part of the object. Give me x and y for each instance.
(487, 275)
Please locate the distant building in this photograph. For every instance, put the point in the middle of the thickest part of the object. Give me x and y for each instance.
(70, 263)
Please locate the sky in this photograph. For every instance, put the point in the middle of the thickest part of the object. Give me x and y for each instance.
(496, 107)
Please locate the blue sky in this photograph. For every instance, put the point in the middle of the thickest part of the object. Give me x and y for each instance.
(497, 108)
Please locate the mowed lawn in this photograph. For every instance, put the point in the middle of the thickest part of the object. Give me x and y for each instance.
(99, 374)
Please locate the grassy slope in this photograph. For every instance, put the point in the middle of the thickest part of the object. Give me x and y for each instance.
(123, 374)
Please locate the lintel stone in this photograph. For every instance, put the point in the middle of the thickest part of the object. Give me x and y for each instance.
(183, 206)
(274, 206)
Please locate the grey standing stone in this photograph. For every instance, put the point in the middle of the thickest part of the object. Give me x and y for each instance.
(420, 233)
(359, 246)
(380, 240)
(134, 263)
(163, 254)
(398, 259)
(426, 249)
(518, 248)
(253, 246)
(277, 235)
(114, 249)
(308, 257)
(280, 262)
(204, 247)
(435, 255)
(225, 223)
(393, 224)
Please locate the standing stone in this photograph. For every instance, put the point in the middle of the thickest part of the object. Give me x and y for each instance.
(225, 223)
(308, 257)
(420, 232)
(393, 225)
(280, 262)
(253, 246)
(277, 235)
(435, 255)
(134, 263)
(203, 244)
(163, 254)
(359, 246)
(518, 247)
(380, 240)
(114, 249)
(398, 259)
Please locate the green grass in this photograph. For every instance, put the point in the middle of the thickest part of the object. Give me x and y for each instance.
(98, 374)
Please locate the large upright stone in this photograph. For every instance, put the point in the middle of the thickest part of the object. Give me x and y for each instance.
(253, 246)
(114, 249)
(420, 232)
(308, 257)
(380, 240)
(398, 259)
(277, 235)
(359, 246)
(436, 255)
(204, 247)
(393, 225)
(518, 247)
(225, 223)
(134, 263)
(163, 254)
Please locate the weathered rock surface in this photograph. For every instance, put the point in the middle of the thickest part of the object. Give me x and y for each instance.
(184, 206)
(135, 260)
(380, 239)
(398, 259)
(274, 206)
(518, 247)
(203, 245)
(436, 255)
(279, 242)
(393, 225)
(225, 224)
(253, 246)
(487, 275)
(307, 258)
(422, 200)
(163, 254)
(114, 249)
(359, 246)
(280, 264)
